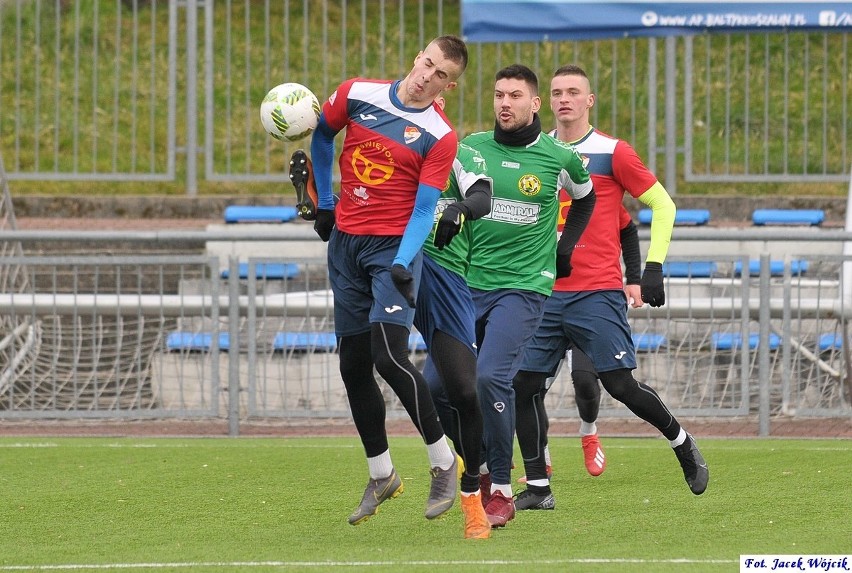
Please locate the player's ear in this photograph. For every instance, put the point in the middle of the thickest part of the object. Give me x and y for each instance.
(450, 86)
(536, 104)
(591, 102)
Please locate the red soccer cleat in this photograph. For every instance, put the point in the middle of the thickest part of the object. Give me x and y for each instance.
(500, 509)
(593, 455)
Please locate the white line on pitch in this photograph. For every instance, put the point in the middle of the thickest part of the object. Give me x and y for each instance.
(349, 564)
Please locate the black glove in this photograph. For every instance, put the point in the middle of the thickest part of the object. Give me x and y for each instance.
(324, 223)
(403, 280)
(449, 224)
(651, 285)
(565, 245)
(563, 265)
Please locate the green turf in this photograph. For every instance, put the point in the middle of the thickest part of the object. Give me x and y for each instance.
(259, 505)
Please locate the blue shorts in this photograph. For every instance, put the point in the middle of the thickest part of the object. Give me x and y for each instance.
(594, 321)
(506, 319)
(364, 293)
(444, 303)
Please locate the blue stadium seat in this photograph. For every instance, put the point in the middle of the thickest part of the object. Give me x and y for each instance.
(776, 268)
(830, 341)
(279, 271)
(788, 216)
(692, 269)
(196, 341)
(327, 341)
(416, 342)
(305, 341)
(682, 217)
(648, 341)
(734, 340)
(259, 214)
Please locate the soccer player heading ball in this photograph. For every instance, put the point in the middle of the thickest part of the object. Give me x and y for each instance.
(396, 158)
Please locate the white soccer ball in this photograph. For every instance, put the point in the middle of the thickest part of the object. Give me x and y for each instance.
(289, 112)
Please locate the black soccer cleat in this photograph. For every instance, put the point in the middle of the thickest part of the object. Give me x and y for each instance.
(694, 467)
(302, 177)
(529, 499)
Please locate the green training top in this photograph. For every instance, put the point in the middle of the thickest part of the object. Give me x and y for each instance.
(468, 168)
(514, 246)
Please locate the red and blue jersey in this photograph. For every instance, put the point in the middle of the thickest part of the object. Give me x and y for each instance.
(615, 168)
(388, 151)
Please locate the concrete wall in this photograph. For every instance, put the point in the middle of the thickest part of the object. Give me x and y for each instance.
(723, 209)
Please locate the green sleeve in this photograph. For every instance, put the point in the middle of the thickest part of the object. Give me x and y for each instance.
(662, 221)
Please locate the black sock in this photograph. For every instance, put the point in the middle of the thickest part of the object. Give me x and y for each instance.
(539, 489)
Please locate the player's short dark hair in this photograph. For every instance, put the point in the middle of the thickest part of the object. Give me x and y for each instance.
(519, 72)
(570, 70)
(453, 48)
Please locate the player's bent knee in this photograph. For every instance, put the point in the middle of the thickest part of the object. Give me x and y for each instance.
(585, 384)
(619, 383)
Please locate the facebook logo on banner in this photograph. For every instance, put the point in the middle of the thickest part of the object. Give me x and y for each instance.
(832, 19)
(827, 18)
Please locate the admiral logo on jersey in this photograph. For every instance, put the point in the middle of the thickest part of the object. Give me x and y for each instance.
(529, 185)
(515, 212)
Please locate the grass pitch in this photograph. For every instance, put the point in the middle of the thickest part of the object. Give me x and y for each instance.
(260, 505)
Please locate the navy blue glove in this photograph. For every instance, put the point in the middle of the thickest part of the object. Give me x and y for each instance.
(403, 280)
(324, 223)
(651, 285)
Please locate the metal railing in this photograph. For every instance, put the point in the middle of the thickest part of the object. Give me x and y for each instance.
(95, 91)
(246, 337)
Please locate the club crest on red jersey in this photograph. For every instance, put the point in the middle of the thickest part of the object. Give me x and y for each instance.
(411, 134)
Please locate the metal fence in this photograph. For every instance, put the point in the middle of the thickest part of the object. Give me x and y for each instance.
(156, 91)
(251, 336)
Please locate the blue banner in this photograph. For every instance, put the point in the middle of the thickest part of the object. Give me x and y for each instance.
(548, 20)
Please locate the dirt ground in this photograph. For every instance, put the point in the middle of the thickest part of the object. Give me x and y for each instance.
(779, 427)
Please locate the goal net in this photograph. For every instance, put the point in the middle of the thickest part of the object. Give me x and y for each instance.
(20, 338)
(53, 362)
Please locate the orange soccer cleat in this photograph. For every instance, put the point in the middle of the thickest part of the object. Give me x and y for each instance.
(476, 525)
